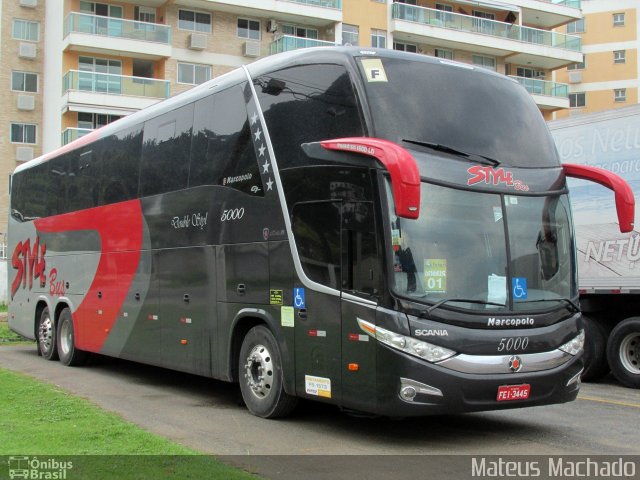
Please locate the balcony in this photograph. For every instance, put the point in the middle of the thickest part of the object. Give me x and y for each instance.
(548, 95)
(548, 13)
(287, 43)
(106, 35)
(314, 13)
(119, 93)
(71, 134)
(521, 45)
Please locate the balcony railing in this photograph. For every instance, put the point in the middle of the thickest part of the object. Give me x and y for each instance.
(543, 87)
(115, 84)
(566, 3)
(289, 42)
(71, 134)
(116, 28)
(337, 4)
(467, 23)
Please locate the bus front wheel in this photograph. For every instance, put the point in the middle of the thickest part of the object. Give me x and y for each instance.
(261, 379)
(47, 336)
(66, 341)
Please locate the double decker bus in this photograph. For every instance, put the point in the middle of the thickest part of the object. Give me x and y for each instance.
(383, 231)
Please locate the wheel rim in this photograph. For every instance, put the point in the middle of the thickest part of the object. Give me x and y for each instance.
(66, 339)
(45, 334)
(259, 371)
(630, 353)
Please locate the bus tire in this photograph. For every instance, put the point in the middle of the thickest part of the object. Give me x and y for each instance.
(46, 336)
(261, 378)
(623, 352)
(66, 341)
(595, 350)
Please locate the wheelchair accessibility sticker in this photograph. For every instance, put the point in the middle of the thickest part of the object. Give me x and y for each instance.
(298, 298)
(519, 288)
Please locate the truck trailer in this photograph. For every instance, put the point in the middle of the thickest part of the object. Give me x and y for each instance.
(608, 261)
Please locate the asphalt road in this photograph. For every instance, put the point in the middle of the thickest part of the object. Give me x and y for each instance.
(208, 416)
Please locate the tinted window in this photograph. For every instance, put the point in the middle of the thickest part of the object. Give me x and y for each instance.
(308, 103)
(223, 151)
(57, 185)
(463, 108)
(29, 193)
(165, 152)
(120, 166)
(84, 178)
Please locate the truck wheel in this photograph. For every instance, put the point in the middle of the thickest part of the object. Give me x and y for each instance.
(623, 352)
(69, 354)
(595, 350)
(260, 371)
(47, 336)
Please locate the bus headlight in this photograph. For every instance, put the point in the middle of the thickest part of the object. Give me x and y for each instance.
(574, 346)
(417, 348)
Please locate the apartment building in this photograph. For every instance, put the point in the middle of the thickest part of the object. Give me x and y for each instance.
(608, 77)
(74, 65)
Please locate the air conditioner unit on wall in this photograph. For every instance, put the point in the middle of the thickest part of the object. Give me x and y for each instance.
(272, 26)
(26, 102)
(24, 154)
(197, 41)
(29, 3)
(27, 50)
(575, 77)
(251, 49)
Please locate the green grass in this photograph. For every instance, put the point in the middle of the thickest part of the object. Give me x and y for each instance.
(42, 420)
(7, 335)
(3, 307)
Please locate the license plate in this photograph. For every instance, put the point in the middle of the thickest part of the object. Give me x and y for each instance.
(513, 392)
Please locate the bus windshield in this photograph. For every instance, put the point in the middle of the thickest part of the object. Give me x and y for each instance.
(461, 107)
(493, 251)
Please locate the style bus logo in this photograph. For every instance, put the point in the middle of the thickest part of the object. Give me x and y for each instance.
(33, 468)
(494, 176)
(30, 264)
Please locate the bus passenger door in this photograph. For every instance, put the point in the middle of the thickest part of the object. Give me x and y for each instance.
(318, 337)
(361, 267)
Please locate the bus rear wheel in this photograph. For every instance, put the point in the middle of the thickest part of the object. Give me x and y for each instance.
(623, 352)
(261, 379)
(47, 336)
(66, 341)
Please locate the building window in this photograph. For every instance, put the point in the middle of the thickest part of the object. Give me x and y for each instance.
(442, 53)
(194, 21)
(618, 19)
(24, 82)
(576, 27)
(25, 30)
(144, 14)
(248, 29)
(193, 74)
(578, 66)
(23, 133)
(444, 17)
(378, 38)
(619, 56)
(350, 34)
(620, 95)
(577, 100)
(484, 62)
(530, 73)
(405, 47)
(95, 120)
(301, 32)
(101, 9)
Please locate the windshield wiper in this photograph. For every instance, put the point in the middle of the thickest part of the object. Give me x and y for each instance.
(569, 303)
(447, 149)
(465, 300)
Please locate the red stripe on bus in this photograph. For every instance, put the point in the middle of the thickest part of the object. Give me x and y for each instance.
(120, 229)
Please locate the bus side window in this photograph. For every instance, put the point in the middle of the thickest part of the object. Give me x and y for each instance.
(165, 152)
(361, 262)
(120, 169)
(316, 228)
(57, 185)
(222, 152)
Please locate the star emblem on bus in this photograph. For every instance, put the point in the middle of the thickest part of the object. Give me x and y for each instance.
(270, 184)
(261, 150)
(254, 118)
(266, 167)
(258, 133)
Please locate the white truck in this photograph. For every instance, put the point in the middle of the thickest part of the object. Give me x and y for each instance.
(608, 261)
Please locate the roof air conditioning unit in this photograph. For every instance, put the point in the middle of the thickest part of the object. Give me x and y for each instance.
(575, 77)
(26, 102)
(27, 50)
(29, 3)
(197, 41)
(272, 26)
(24, 154)
(251, 49)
